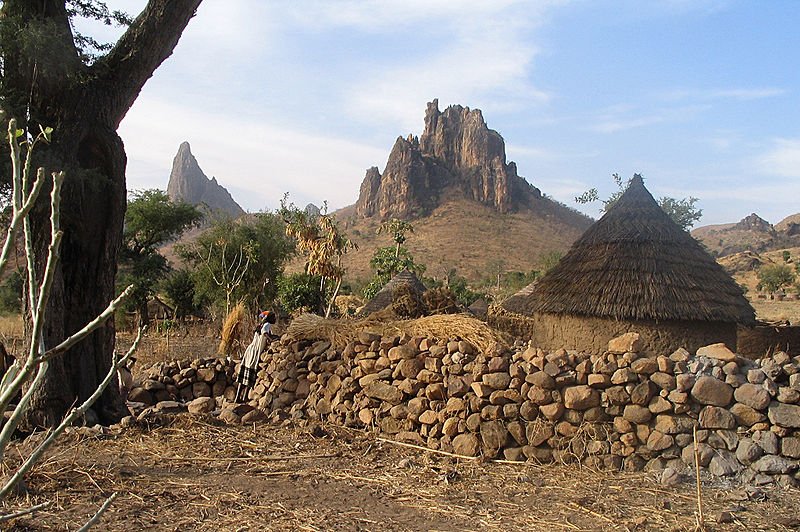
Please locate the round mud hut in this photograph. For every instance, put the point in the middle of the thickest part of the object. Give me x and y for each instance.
(634, 270)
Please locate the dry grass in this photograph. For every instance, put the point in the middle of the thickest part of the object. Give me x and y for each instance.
(193, 474)
(768, 310)
(442, 326)
(11, 327)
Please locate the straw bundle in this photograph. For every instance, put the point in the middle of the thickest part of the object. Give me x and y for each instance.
(234, 331)
(340, 332)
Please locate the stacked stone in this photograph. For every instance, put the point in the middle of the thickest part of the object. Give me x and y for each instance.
(618, 410)
(184, 381)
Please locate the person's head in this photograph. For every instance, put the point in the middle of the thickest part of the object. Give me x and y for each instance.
(267, 316)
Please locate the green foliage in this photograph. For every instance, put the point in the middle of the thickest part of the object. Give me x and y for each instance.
(179, 289)
(786, 255)
(462, 292)
(300, 291)
(548, 261)
(221, 253)
(773, 277)
(151, 220)
(385, 263)
(11, 294)
(398, 229)
(683, 212)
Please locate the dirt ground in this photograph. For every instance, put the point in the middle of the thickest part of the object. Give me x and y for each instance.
(190, 473)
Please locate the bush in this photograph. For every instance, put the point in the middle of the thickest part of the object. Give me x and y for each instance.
(300, 291)
(11, 294)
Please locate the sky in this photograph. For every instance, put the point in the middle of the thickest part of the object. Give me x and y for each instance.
(702, 97)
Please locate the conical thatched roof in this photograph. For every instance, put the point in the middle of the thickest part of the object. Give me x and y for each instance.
(635, 263)
(385, 296)
(518, 299)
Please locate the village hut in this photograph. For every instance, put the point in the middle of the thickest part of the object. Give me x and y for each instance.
(634, 270)
(158, 310)
(401, 282)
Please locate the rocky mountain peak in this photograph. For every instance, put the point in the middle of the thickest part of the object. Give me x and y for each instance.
(456, 151)
(754, 222)
(188, 183)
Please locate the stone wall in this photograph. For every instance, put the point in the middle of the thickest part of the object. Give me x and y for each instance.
(615, 410)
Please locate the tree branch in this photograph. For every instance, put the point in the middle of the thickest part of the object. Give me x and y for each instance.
(138, 53)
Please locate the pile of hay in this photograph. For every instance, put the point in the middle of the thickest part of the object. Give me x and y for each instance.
(443, 326)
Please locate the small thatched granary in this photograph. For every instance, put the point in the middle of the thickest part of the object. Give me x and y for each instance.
(636, 270)
(479, 308)
(385, 297)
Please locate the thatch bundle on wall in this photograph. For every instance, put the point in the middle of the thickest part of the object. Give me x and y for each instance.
(635, 269)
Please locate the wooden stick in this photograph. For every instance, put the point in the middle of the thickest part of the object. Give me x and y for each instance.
(700, 523)
(96, 517)
(9, 517)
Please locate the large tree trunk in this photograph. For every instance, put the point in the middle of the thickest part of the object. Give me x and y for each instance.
(85, 106)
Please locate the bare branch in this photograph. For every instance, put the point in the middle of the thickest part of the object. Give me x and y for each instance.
(22, 513)
(75, 414)
(88, 329)
(96, 517)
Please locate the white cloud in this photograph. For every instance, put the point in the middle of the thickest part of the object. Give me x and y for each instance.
(740, 94)
(622, 118)
(783, 159)
(262, 160)
(479, 52)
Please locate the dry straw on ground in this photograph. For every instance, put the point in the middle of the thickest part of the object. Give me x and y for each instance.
(442, 326)
(193, 474)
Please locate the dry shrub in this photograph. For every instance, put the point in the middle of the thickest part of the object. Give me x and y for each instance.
(234, 331)
(441, 301)
(407, 302)
(340, 332)
(347, 305)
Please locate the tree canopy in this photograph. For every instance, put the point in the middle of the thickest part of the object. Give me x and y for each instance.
(683, 212)
(151, 220)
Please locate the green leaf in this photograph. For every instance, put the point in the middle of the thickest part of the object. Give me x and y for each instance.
(18, 133)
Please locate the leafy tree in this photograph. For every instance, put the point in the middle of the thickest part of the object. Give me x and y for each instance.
(151, 220)
(300, 290)
(387, 261)
(238, 261)
(319, 236)
(179, 289)
(46, 80)
(684, 212)
(11, 294)
(398, 229)
(773, 277)
(548, 261)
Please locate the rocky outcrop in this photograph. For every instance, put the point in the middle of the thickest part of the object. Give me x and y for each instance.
(456, 152)
(188, 183)
(755, 223)
(752, 233)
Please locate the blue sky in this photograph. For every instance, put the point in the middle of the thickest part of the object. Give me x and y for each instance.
(702, 96)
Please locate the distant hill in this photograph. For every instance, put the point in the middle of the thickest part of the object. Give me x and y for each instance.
(752, 233)
(468, 205)
(188, 183)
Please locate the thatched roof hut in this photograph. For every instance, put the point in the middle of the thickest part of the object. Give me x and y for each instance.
(635, 268)
(385, 296)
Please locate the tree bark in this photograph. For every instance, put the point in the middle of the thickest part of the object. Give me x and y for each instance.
(85, 104)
